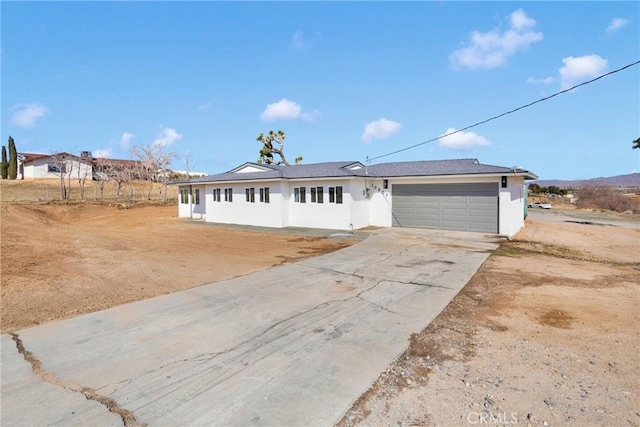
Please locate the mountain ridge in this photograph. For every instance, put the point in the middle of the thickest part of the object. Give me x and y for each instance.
(628, 180)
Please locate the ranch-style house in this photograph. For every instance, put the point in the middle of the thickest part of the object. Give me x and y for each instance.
(460, 194)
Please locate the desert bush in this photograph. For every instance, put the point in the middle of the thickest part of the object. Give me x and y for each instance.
(605, 198)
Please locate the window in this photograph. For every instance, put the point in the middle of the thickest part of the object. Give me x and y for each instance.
(300, 194)
(55, 168)
(316, 194)
(335, 194)
(184, 196)
(251, 195)
(228, 195)
(264, 195)
(216, 194)
(197, 197)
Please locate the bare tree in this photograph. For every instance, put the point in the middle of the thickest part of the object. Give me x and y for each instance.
(273, 143)
(119, 174)
(82, 179)
(62, 165)
(101, 173)
(154, 160)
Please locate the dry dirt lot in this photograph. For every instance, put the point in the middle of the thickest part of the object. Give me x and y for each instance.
(546, 333)
(63, 260)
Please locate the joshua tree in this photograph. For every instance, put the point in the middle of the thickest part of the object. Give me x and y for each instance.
(273, 143)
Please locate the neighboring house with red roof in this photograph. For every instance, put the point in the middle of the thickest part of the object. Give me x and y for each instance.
(459, 194)
(33, 165)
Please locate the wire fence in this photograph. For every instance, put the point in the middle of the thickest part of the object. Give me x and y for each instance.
(49, 190)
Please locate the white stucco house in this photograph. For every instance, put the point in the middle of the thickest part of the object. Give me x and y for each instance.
(51, 165)
(460, 194)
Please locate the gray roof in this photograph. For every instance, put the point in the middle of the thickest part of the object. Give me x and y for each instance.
(341, 169)
(442, 167)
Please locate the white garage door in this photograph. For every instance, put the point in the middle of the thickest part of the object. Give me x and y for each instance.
(467, 207)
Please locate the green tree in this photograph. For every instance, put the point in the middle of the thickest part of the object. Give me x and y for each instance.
(273, 143)
(5, 164)
(535, 188)
(13, 160)
(636, 143)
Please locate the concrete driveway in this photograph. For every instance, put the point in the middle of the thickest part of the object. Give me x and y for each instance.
(292, 345)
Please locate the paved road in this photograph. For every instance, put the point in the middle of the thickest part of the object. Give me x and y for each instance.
(292, 345)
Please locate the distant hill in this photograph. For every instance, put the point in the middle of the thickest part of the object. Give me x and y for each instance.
(630, 180)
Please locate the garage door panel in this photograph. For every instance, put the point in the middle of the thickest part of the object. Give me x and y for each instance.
(472, 207)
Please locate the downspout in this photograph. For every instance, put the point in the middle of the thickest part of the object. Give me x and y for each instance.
(190, 202)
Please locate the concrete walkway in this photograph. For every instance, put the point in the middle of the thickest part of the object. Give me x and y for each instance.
(289, 346)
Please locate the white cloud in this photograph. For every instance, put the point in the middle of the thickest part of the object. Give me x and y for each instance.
(491, 49)
(541, 81)
(125, 139)
(462, 140)
(299, 42)
(204, 106)
(379, 129)
(167, 137)
(26, 114)
(616, 24)
(102, 154)
(310, 116)
(285, 109)
(581, 68)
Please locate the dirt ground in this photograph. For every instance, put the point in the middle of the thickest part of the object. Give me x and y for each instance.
(546, 333)
(63, 260)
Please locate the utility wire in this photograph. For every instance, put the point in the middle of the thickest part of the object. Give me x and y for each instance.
(504, 114)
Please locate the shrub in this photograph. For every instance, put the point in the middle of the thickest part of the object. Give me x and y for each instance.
(604, 198)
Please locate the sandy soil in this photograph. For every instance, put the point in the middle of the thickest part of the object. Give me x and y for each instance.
(63, 260)
(546, 333)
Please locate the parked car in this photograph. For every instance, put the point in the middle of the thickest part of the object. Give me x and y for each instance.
(540, 205)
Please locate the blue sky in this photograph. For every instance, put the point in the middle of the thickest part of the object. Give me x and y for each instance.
(344, 80)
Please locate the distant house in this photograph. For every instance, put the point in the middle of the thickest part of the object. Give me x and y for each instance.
(460, 194)
(32, 165)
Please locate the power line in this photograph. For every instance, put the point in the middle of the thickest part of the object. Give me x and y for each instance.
(508, 112)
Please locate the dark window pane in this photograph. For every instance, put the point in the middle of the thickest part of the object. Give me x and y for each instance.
(338, 194)
(320, 195)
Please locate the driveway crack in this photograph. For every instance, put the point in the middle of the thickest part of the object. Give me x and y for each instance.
(128, 419)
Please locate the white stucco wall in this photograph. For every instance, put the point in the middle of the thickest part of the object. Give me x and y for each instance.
(190, 209)
(360, 208)
(511, 202)
(39, 168)
(335, 216)
(239, 211)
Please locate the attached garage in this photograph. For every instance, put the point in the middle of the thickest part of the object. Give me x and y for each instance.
(465, 207)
